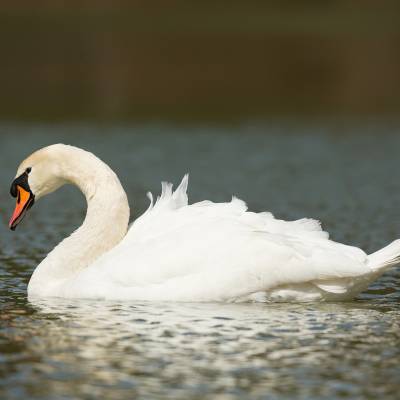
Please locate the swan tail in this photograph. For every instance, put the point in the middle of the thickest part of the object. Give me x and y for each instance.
(385, 258)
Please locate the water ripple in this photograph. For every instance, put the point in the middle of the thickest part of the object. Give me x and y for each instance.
(90, 349)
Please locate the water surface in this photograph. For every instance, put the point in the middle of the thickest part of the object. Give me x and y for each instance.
(62, 349)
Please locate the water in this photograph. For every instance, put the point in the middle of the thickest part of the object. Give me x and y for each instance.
(58, 349)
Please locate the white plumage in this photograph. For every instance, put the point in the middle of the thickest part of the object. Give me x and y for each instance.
(200, 252)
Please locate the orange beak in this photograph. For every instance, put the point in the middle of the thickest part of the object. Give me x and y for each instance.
(25, 200)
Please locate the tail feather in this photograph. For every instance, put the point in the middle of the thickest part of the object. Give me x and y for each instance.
(385, 258)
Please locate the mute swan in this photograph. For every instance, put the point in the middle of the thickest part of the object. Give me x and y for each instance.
(200, 252)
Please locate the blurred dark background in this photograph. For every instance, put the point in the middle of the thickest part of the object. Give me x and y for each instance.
(208, 60)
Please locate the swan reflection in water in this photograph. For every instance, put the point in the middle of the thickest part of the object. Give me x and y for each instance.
(217, 342)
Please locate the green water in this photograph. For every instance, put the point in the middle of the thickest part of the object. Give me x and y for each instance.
(62, 349)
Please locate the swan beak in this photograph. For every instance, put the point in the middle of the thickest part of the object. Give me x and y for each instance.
(25, 200)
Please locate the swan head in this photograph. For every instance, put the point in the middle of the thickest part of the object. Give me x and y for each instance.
(37, 175)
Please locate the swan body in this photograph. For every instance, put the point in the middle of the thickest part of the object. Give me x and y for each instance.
(179, 252)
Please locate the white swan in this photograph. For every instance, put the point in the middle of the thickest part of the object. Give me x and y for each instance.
(200, 252)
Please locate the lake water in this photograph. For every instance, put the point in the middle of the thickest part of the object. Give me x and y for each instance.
(62, 349)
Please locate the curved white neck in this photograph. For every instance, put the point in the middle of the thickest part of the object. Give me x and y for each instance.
(104, 226)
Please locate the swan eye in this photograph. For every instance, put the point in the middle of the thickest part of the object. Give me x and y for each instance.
(28, 170)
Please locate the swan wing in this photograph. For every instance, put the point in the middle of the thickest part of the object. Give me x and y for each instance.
(219, 251)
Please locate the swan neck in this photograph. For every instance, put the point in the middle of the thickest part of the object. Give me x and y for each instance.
(105, 223)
